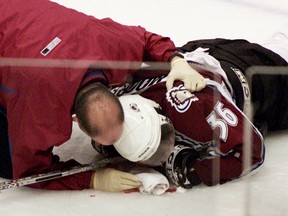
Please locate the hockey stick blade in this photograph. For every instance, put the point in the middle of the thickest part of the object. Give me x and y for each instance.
(58, 173)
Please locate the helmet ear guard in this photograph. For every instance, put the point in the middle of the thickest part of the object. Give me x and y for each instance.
(141, 137)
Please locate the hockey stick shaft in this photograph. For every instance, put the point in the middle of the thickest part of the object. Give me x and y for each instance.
(58, 174)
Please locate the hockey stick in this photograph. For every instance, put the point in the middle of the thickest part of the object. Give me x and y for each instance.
(58, 173)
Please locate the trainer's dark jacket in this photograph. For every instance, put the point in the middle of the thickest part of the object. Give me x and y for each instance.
(39, 99)
(269, 92)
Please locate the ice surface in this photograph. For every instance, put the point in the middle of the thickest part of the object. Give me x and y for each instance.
(265, 193)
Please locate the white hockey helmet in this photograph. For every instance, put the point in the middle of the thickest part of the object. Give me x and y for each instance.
(148, 137)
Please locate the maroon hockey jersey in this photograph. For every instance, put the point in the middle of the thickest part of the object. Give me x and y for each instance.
(208, 121)
(39, 99)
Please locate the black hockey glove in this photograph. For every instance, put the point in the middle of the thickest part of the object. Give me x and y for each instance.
(177, 167)
(106, 151)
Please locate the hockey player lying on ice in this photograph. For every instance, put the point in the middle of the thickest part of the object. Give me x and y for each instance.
(208, 124)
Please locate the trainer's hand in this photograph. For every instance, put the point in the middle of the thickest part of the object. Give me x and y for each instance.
(113, 180)
(181, 70)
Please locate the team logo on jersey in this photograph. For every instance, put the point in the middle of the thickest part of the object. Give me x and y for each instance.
(180, 98)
